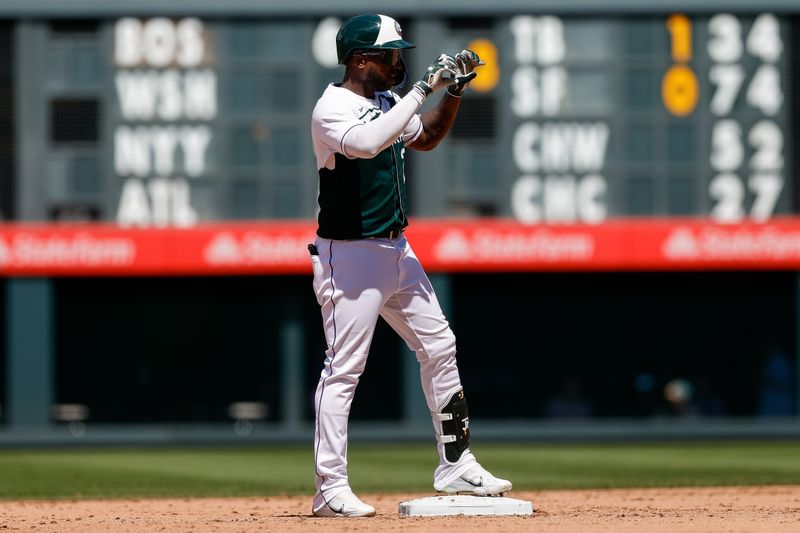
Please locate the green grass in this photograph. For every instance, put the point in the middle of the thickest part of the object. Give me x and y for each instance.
(116, 473)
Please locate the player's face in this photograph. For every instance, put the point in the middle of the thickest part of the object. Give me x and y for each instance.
(383, 68)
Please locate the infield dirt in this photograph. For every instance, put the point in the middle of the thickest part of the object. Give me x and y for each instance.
(774, 509)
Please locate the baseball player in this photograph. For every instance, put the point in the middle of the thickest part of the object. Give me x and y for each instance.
(363, 265)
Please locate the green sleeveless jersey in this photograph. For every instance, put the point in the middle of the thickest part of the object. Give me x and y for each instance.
(363, 197)
(358, 198)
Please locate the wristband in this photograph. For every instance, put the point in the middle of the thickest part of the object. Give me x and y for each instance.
(424, 88)
(454, 91)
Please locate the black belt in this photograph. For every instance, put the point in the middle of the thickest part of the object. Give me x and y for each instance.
(389, 234)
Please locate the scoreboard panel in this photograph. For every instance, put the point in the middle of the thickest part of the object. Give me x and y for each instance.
(157, 121)
(651, 116)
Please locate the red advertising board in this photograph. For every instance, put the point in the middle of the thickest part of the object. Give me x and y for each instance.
(470, 245)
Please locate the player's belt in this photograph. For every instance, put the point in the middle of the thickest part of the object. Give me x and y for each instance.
(389, 234)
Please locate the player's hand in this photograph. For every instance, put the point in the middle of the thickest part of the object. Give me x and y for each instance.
(440, 74)
(466, 61)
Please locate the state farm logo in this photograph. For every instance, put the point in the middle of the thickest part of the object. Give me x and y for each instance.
(681, 244)
(53, 250)
(254, 248)
(453, 246)
(716, 243)
(502, 246)
(223, 250)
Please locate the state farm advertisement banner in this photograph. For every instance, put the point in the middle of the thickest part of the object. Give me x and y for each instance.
(100, 250)
(641, 244)
(478, 245)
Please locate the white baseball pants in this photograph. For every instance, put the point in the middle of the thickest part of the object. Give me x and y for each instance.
(355, 282)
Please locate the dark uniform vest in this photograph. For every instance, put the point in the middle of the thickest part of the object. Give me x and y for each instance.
(363, 197)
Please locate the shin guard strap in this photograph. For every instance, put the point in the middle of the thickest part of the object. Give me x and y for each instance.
(455, 427)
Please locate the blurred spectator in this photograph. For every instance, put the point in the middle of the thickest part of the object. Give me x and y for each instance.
(707, 400)
(679, 395)
(696, 397)
(569, 402)
(776, 384)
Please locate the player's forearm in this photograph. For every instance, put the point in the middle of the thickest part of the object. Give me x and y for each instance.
(368, 140)
(437, 122)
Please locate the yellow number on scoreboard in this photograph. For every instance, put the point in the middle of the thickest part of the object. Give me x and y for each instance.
(679, 88)
(680, 30)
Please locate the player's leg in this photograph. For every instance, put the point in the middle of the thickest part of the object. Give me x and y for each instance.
(417, 318)
(414, 312)
(348, 284)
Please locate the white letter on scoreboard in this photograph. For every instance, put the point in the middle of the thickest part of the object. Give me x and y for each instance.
(159, 41)
(159, 196)
(200, 98)
(164, 142)
(127, 40)
(559, 199)
(137, 94)
(171, 99)
(191, 46)
(183, 214)
(523, 199)
(133, 207)
(589, 151)
(554, 90)
(591, 208)
(556, 146)
(551, 46)
(523, 145)
(194, 141)
(170, 203)
(524, 29)
(131, 151)
(525, 89)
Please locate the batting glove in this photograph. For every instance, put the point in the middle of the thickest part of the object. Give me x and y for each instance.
(440, 74)
(466, 61)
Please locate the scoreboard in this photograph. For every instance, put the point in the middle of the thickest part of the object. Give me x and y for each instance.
(642, 116)
(665, 116)
(175, 121)
(600, 117)
(584, 136)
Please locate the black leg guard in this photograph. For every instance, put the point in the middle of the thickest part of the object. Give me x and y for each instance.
(455, 427)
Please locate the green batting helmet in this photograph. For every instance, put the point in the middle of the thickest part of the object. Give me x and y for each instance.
(369, 32)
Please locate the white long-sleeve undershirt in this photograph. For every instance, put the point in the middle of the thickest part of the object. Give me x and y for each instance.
(368, 140)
